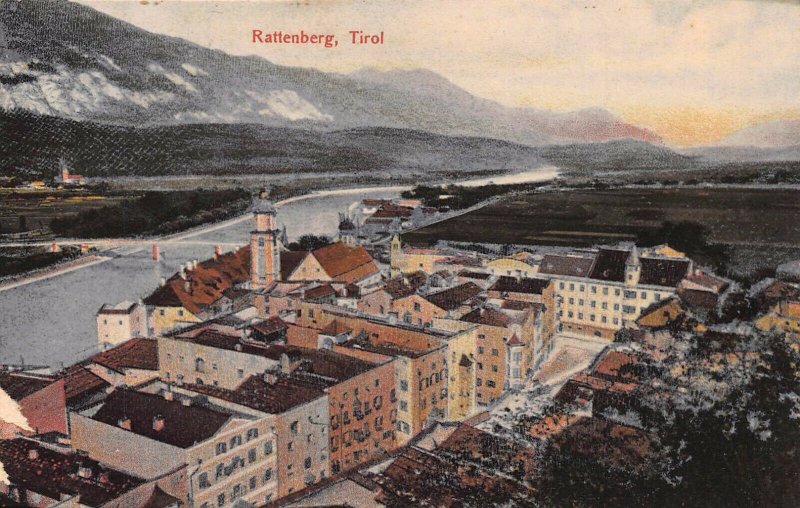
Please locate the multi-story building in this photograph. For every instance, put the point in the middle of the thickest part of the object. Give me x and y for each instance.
(41, 401)
(227, 451)
(597, 295)
(121, 322)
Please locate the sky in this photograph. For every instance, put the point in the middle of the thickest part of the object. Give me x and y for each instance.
(691, 71)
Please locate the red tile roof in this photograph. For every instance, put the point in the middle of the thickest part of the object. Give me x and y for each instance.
(575, 266)
(19, 385)
(454, 297)
(273, 398)
(50, 473)
(206, 282)
(80, 383)
(319, 292)
(490, 317)
(184, 426)
(137, 353)
(345, 263)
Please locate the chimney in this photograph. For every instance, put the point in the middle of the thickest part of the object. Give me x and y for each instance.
(183, 272)
(84, 471)
(168, 395)
(217, 251)
(186, 401)
(103, 477)
(482, 311)
(187, 286)
(194, 264)
(158, 423)
(262, 194)
(162, 282)
(124, 423)
(237, 347)
(33, 454)
(286, 366)
(270, 377)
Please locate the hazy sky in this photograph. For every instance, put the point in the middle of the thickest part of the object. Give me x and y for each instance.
(691, 71)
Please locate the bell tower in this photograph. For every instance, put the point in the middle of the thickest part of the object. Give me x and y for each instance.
(264, 256)
(633, 268)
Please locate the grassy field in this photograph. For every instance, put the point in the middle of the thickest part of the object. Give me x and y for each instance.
(760, 227)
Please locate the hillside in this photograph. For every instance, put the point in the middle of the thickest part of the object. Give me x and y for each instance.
(34, 144)
(63, 59)
(622, 155)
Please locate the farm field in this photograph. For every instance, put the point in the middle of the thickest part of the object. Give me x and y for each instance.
(748, 221)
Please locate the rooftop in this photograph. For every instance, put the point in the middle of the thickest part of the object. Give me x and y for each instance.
(489, 317)
(81, 383)
(19, 385)
(50, 473)
(136, 353)
(184, 426)
(507, 284)
(281, 395)
(574, 266)
(454, 297)
(120, 308)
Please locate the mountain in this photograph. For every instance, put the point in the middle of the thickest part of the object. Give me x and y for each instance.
(774, 134)
(726, 154)
(33, 144)
(63, 59)
(619, 155)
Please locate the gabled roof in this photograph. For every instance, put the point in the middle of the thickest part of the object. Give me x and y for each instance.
(575, 266)
(609, 265)
(273, 398)
(290, 260)
(160, 499)
(400, 287)
(19, 385)
(533, 286)
(454, 297)
(206, 282)
(490, 317)
(81, 383)
(663, 271)
(136, 353)
(318, 292)
(50, 473)
(184, 426)
(270, 325)
(345, 263)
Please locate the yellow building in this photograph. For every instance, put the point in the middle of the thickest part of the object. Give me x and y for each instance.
(412, 259)
(510, 266)
(783, 317)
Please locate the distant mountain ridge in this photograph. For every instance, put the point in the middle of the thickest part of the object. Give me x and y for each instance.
(64, 59)
(773, 134)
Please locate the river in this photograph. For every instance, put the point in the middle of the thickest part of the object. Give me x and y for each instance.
(52, 321)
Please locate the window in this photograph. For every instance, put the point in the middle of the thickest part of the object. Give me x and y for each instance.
(593, 304)
(572, 301)
(237, 491)
(478, 382)
(267, 475)
(494, 368)
(199, 365)
(240, 373)
(377, 402)
(480, 366)
(403, 385)
(480, 350)
(417, 307)
(616, 292)
(605, 291)
(616, 321)
(293, 428)
(616, 306)
(594, 289)
(290, 446)
(643, 295)
(377, 382)
(403, 405)
(583, 288)
(202, 481)
(252, 483)
(307, 463)
(657, 296)
(580, 302)
(572, 287)
(628, 309)
(569, 313)
(267, 447)
(221, 499)
(495, 352)
(180, 313)
(591, 317)
(220, 470)
(252, 434)
(221, 448)
(236, 441)
(603, 319)
(580, 315)
(604, 305)
(490, 383)
(560, 285)
(251, 455)
(481, 336)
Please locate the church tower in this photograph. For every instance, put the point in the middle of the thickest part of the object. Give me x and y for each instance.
(264, 255)
(633, 268)
(396, 256)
